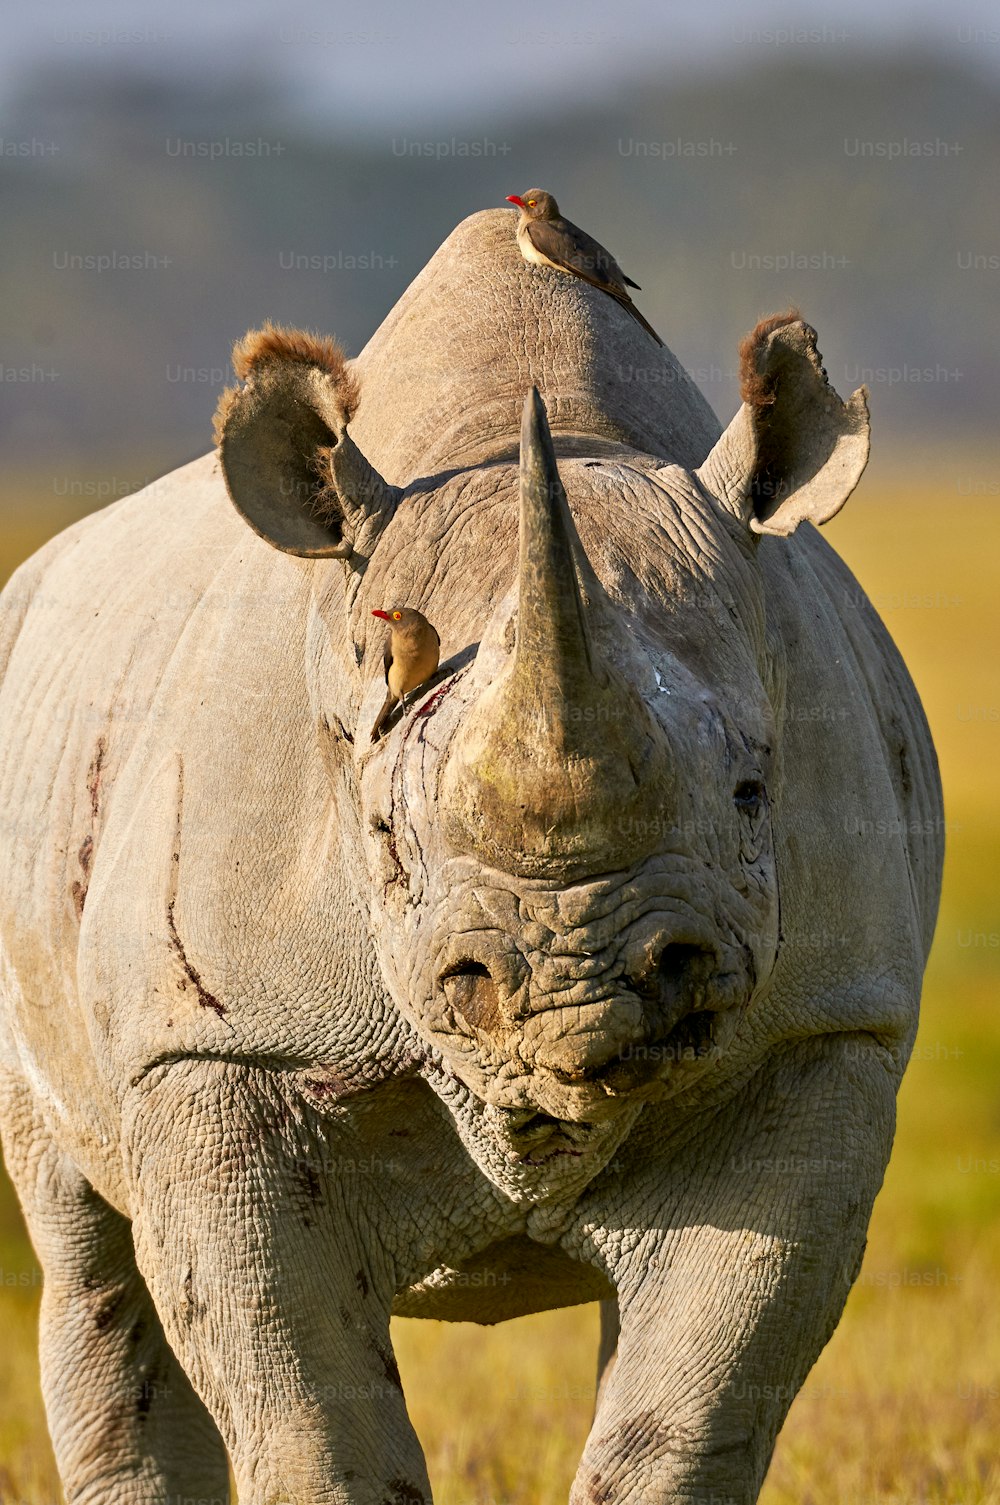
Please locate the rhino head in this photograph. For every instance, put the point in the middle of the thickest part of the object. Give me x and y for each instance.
(575, 940)
(573, 889)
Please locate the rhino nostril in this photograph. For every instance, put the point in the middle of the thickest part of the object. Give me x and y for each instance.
(680, 976)
(472, 992)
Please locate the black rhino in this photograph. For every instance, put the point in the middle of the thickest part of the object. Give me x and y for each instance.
(598, 973)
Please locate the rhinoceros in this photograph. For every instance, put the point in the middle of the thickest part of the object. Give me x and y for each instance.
(592, 980)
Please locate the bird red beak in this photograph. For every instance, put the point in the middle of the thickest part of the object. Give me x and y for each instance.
(383, 614)
(512, 198)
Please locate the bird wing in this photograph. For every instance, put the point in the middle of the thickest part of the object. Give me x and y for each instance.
(387, 659)
(547, 238)
(569, 247)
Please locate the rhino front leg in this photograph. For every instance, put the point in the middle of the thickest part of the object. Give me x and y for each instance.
(126, 1426)
(607, 1351)
(756, 1231)
(258, 1242)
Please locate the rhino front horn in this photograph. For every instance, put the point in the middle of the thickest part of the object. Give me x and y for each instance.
(559, 767)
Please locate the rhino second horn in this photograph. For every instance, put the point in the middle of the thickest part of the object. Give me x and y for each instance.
(559, 767)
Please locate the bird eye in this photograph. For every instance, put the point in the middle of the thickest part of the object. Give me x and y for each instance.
(531, 203)
(396, 615)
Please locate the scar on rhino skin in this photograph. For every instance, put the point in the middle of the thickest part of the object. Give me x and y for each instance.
(106, 1312)
(205, 998)
(431, 706)
(598, 1493)
(389, 1366)
(384, 828)
(78, 888)
(333, 1085)
(341, 729)
(308, 1179)
(94, 775)
(145, 1394)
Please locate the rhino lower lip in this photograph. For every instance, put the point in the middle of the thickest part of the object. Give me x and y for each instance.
(539, 1159)
(538, 1137)
(692, 1039)
(530, 1127)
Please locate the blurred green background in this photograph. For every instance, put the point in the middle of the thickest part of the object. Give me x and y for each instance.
(155, 207)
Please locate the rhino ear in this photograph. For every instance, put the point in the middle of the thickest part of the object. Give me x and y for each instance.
(795, 451)
(292, 470)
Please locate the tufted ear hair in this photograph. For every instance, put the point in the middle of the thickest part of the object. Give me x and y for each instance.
(292, 470)
(795, 451)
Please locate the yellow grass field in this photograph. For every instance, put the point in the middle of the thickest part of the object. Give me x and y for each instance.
(903, 1407)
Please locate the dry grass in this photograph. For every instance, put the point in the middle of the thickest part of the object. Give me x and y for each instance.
(903, 1408)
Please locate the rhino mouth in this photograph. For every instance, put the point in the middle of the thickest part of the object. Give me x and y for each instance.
(661, 1025)
(688, 1012)
(538, 1137)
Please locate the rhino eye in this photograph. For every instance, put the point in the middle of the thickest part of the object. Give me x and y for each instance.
(748, 797)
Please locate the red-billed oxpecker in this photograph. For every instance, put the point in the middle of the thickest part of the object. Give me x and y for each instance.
(411, 657)
(548, 240)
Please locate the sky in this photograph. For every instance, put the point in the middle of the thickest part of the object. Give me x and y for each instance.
(79, 77)
(405, 63)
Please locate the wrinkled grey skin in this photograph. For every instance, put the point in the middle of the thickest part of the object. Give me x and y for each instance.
(294, 1037)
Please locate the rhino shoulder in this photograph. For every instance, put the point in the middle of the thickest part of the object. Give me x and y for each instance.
(851, 675)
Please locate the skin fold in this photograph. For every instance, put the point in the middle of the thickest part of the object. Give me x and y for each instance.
(593, 979)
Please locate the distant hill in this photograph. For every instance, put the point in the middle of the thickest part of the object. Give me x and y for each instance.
(146, 227)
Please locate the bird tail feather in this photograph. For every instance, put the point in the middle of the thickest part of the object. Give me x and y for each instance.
(626, 302)
(382, 719)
